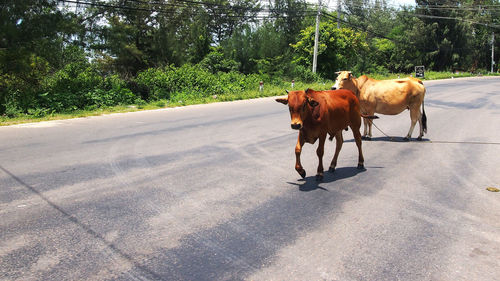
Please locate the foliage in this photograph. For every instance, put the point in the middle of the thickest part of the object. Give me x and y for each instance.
(55, 58)
(215, 61)
(338, 49)
(302, 73)
(77, 85)
(190, 82)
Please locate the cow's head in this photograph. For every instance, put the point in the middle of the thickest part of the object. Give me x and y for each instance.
(345, 80)
(300, 106)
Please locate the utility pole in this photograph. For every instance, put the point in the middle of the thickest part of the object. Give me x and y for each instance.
(492, 50)
(316, 39)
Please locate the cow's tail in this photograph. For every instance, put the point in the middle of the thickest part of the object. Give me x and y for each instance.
(369, 116)
(424, 119)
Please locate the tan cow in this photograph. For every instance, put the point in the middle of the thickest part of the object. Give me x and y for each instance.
(389, 97)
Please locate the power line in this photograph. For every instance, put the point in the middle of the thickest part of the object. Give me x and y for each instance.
(223, 11)
(443, 8)
(474, 7)
(360, 28)
(455, 18)
(240, 12)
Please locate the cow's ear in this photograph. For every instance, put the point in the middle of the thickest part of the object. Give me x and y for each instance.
(312, 102)
(282, 100)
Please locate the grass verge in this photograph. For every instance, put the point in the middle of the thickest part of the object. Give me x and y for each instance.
(268, 91)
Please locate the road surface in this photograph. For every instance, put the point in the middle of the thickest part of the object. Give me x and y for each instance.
(209, 192)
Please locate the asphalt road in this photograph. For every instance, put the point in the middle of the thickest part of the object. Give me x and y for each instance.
(210, 193)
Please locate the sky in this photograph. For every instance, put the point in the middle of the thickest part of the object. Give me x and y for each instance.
(333, 3)
(403, 2)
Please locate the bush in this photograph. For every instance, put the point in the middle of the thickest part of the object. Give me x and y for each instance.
(8, 95)
(379, 70)
(117, 91)
(78, 86)
(12, 109)
(305, 74)
(67, 89)
(190, 82)
(215, 62)
(113, 91)
(156, 82)
(19, 91)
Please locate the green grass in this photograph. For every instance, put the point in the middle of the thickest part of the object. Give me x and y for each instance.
(269, 91)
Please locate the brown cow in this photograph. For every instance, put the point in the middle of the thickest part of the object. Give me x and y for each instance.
(386, 97)
(318, 113)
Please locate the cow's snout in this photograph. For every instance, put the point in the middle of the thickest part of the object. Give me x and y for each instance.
(296, 126)
(334, 88)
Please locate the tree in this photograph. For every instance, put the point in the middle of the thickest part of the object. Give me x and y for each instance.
(31, 28)
(33, 37)
(338, 49)
(458, 35)
(289, 18)
(265, 48)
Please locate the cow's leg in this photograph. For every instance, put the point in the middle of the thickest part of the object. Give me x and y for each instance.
(339, 140)
(365, 128)
(320, 151)
(415, 116)
(298, 150)
(357, 138)
(369, 126)
(421, 125)
(421, 134)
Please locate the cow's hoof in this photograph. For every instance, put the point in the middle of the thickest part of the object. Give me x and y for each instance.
(302, 173)
(366, 138)
(361, 167)
(406, 139)
(319, 177)
(331, 170)
(419, 138)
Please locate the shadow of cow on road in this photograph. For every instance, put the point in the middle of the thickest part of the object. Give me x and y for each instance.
(310, 183)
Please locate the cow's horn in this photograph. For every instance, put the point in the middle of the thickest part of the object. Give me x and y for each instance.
(286, 91)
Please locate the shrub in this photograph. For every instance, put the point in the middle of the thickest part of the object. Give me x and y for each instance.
(156, 82)
(118, 92)
(215, 62)
(19, 91)
(79, 86)
(12, 109)
(191, 82)
(305, 74)
(68, 88)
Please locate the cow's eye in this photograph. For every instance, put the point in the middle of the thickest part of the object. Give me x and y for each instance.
(344, 79)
